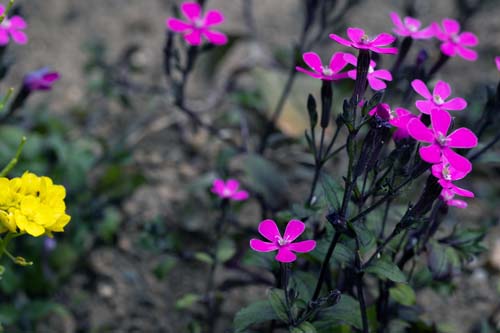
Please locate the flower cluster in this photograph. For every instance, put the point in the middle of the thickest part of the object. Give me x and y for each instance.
(33, 205)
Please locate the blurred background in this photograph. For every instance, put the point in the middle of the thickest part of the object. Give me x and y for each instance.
(136, 170)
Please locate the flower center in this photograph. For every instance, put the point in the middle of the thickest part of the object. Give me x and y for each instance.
(438, 100)
(365, 39)
(5, 23)
(455, 38)
(446, 172)
(327, 71)
(371, 70)
(282, 241)
(412, 27)
(226, 192)
(442, 139)
(199, 23)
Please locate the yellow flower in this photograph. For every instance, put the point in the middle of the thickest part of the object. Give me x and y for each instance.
(33, 205)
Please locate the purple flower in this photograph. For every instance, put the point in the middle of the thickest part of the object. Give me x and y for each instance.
(409, 27)
(437, 100)
(284, 245)
(455, 42)
(41, 79)
(374, 77)
(330, 72)
(11, 27)
(198, 25)
(229, 189)
(359, 40)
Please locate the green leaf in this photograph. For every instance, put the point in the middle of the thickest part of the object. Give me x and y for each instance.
(225, 250)
(305, 327)
(164, 267)
(203, 257)
(403, 294)
(255, 313)
(187, 301)
(386, 269)
(346, 311)
(442, 259)
(277, 300)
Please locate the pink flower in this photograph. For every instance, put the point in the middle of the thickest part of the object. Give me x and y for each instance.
(382, 110)
(497, 62)
(444, 171)
(198, 25)
(454, 42)
(41, 79)
(284, 245)
(229, 189)
(12, 27)
(400, 119)
(437, 100)
(409, 27)
(330, 72)
(374, 77)
(441, 143)
(450, 190)
(359, 40)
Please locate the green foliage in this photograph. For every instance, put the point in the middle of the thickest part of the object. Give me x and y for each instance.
(346, 311)
(384, 268)
(403, 294)
(255, 313)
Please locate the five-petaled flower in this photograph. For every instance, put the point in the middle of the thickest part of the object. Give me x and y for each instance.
(455, 42)
(330, 72)
(41, 79)
(12, 27)
(284, 245)
(450, 190)
(198, 25)
(374, 77)
(410, 27)
(229, 189)
(441, 143)
(359, 40)
(437, 100)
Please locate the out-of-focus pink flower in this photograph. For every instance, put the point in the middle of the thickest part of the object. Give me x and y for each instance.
(497, 62)
(12, 27)
(41, 79)
(382, 110)
(441, 143)
(374, 77)
(450, 190)
(229, 189)
(359, 40)
(284, 245)
(330, 72)
(455, 42)
(409, 27)
(401, 118)
(198, 25)
(437, 100)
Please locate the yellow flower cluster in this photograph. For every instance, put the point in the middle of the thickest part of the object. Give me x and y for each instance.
(33, 205)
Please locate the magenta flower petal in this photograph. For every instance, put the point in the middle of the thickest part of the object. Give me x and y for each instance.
(218, 186)
(193, 38)
(19, 37)
(468, 39)
(442, 89)
(383, 39)
(397, 21)
(457, 203)
(355, 34)
(313, 60)
(376, 84)
(213, 17)
(215, 37)
(240, 196)
(425, 106)
(17, 22)
(4, 37)
(305, 71)
(269, 230)
(430, 154)
(419, 131)
(457, 161)
(177, 25)
(425, 33)
(463, 192)
(441, 121)
(451, 26)
(340, 40)
(497, 62)
(421, 88)
(383, 74)
(462, 138)
(337, 62)
(466, 53)
(2, 9)
(448, 49)
(455, 104)
(385, 50)
(260, 246)
(192, 10)
(294, 229)
(302, 247)
(413, 22)
(285, 255)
